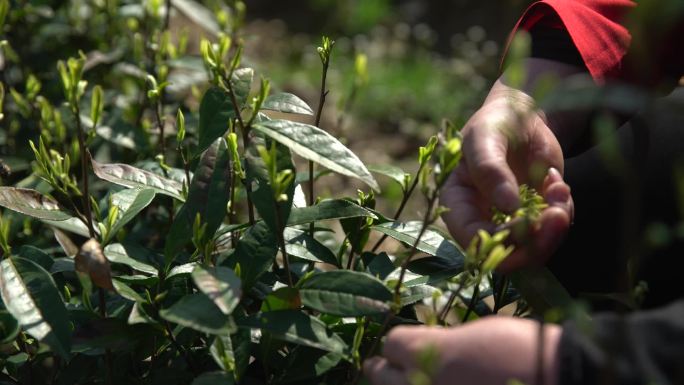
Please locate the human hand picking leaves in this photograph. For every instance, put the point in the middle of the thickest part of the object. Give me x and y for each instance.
(490, 351)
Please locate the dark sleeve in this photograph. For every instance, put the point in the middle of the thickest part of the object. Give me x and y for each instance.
(643, 348)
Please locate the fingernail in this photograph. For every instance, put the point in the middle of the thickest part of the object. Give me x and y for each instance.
(505, 197)
(555, 175)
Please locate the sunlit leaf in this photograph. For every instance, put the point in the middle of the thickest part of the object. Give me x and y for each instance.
(31, 203)
(345, 293)
(198, 312)
(129, 176)
(207, 196)
(220, 284)
(31, 296)
(317, 145)
(296, 327)
(286, 102)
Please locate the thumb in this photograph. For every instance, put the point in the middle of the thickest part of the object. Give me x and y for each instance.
(485, 155)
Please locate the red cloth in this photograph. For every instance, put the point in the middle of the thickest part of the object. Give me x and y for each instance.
(595, 27)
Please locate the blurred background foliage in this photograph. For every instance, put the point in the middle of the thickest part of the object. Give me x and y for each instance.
(426, 61)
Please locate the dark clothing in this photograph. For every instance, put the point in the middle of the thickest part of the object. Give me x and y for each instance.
(628, 190)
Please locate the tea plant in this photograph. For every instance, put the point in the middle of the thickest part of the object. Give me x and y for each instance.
(200, 260)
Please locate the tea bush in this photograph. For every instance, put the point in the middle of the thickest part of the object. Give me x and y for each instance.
(157, 229)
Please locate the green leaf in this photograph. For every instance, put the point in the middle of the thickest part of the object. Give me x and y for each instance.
(207, 196)
(214, 378)
(329, 209)
(288, 103)
(216, 110)
(431, 242)
(198, 312)
(9, 327)
(242, 84)
(182, 270)
(284, 298)
(345, 293)
(378, 265)
(220, 284)
(36, 255)
(541, 289)
(262, 194)
(132, 255)
(72, 225)
(130, 203)
(129, 176)
(222, 353)
(302, 245)
(393, 172)
(32, 203)
(62, 264)
(298, 328)
(32, 297)
(309, 364)
(255, 253)
(317, 145)
(126, 291)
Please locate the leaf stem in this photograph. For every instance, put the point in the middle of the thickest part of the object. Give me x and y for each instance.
(160, 126)
(473, 301)
(402, 205)
(281, 242)
(317, 122)
(84, 170)
(244, 130)
(397, 289)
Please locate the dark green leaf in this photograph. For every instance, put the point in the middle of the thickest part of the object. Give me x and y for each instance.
(329, 209)
(309, 364)
(32, 203)
(302, 245)
(220, 284)
(61, 265)
(255, 253)
(36, 255)
(130, 203)
(214, 378)
(541, 289)
(131, 255)
(296, 327)
(431, 242)
(216, 110)
(129, 176)
(393, 172)
(284, 298)
(345, 293)
(317, 145)
(289, 103)
(207, 196)
(198, 312)
(378, 265)
(262, 193)
(72, 225)
(31, 296)
(9, 327)
(126, 291)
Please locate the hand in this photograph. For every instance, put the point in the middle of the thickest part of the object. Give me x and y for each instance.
(490, 351)
(506, 143)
